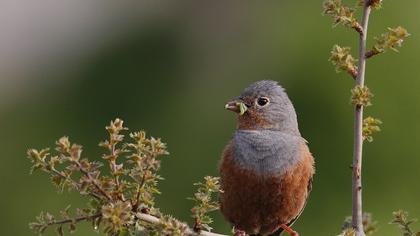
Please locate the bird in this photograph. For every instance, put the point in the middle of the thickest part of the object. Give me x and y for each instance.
(266, 169)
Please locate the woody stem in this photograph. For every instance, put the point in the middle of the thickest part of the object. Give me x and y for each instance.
(188, 231)
(358, 126)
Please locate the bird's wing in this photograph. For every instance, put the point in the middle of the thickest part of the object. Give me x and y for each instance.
(280, 230)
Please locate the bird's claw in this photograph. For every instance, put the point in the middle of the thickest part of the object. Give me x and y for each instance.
(241, 233)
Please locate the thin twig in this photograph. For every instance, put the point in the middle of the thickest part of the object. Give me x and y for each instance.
(91, 179)
(358, 125)
(113, 166)
(74, 183)
(371, 53)
(74, 220)
(139, 187)
(189, 231)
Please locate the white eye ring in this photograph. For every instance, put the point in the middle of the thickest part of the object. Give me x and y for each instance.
(263, 101)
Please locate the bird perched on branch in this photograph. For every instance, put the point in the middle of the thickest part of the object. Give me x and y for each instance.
(266, 169)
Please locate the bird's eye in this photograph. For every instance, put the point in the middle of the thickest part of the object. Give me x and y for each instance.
(262, 101)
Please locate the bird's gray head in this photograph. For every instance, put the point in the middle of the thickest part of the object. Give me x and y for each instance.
(264, 105)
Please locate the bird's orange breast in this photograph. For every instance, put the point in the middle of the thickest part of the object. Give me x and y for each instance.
(259, 204)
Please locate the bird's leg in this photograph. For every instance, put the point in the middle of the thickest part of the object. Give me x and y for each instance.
(289, 230)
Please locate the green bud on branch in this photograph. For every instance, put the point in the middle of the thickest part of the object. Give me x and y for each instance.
(389, 40)
(402, 221)
(375, 4)
(341, 14)
(343, 60)
(370, 126)
(204, 203)
(369, 225)
(361, 96)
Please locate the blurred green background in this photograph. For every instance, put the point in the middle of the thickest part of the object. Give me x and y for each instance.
(69, 67)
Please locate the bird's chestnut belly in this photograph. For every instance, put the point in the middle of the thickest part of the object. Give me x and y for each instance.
(259, 204)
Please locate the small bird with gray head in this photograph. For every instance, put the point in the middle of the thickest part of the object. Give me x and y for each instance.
(266, 169)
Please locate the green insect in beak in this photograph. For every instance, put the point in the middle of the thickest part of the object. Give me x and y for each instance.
(236, 106)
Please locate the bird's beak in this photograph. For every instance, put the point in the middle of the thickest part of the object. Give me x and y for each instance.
(236, 106)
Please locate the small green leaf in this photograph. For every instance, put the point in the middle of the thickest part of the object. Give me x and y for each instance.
(343, 60)
(389, 40)
(341, 13)
(370, 126)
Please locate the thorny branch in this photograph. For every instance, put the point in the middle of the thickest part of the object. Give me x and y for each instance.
(122, 201)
